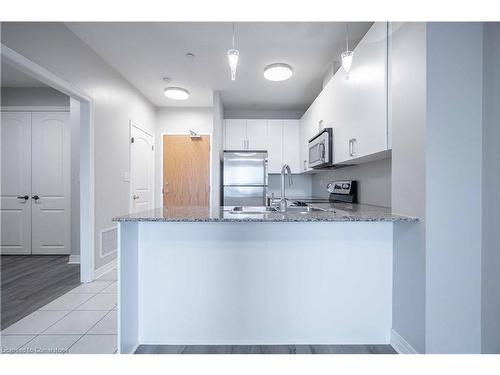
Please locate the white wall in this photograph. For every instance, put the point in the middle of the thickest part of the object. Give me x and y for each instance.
(374, 181)
(54, 47)
(33, 96)
(408, 99)
(490, 256)
(178, 120)
(453, 187)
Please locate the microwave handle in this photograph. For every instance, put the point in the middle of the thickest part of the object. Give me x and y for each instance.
(322, 151)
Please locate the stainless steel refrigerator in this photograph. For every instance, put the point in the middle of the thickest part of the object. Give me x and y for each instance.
(244, 178)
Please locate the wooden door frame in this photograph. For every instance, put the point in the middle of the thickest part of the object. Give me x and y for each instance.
(136, 125)
(160, 194)
(87, 185)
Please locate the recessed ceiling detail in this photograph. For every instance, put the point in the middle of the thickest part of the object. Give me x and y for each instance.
(143, 51)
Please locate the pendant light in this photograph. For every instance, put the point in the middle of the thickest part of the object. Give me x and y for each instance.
(232, 56)
(347, 55)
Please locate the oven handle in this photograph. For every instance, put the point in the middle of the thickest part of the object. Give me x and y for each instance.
(322, 151)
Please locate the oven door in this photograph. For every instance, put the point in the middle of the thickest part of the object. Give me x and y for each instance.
(319, 151)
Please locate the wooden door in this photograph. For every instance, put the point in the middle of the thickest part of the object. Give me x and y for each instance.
(15, 200)
(141, 170)
(186, 170)
(50, 182)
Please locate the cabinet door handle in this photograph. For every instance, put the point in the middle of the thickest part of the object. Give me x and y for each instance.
(350, 147)
(35, 197)
(305, 163)
(25, 197)
(354, 141)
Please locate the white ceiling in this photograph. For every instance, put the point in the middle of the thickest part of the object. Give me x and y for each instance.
(145, 52)
(11, 77)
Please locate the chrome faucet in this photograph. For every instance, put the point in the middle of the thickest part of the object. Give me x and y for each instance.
(284, 170)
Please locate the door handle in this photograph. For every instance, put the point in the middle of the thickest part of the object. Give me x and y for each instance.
(35, 197)
(135, 197)
(25, 197)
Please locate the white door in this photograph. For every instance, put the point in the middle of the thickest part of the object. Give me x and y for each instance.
(274, 146)
(141, 170)
(50, 185)
(235, 135)
(256, 135)
(291, 154)
(15, 210)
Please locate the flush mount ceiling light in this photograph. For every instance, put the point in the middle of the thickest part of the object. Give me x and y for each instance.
(232, 56)
(347, 55)
(278, 72)
(176, 93)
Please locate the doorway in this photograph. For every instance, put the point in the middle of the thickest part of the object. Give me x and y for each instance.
(85, 159)
(141, 169)
(35, 191)
(186, 170)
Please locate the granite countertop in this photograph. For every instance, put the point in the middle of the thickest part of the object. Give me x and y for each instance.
(335, 212)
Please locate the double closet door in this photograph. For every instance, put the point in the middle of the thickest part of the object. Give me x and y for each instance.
(35, 183)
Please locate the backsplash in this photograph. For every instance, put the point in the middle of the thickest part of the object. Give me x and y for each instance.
(374, 181)
(302, 186)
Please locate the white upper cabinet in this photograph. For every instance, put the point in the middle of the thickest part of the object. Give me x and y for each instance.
(291, 153)
(245, 134)
(274, 146)
(280, 138)
(358, 111)
(256, 135)
(235, 137)
(356, 108)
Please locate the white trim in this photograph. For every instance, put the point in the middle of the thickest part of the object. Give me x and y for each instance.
(87, 200)
(74, 259)
(101, 255)
(400, 345)
(34, 108)
(105, 269)
(160, 197)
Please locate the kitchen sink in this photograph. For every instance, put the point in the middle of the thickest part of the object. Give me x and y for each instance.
(267, 209)
(252, 209)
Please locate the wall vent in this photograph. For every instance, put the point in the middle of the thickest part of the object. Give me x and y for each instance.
(109, 241)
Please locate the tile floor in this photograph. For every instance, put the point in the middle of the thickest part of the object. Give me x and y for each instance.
(80, 321)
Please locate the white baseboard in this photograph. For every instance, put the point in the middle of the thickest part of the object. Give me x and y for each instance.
(400, 345)
(74, 259)
(106, 268)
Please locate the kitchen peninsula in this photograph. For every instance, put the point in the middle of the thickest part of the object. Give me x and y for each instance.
(200, 275)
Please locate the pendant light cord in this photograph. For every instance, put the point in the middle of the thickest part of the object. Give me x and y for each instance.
(346, 37)
(233, 35)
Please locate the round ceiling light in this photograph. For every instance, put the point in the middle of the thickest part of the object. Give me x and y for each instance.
(176, 93)
(278, 72)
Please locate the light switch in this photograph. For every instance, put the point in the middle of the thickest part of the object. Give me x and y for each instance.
(126, 177)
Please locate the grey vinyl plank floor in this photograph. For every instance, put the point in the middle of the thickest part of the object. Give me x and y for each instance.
(28, 282)
(265, 349)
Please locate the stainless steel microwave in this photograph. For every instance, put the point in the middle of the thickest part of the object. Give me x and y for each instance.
(321, 149)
